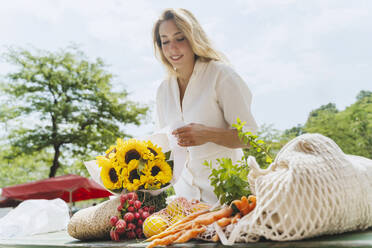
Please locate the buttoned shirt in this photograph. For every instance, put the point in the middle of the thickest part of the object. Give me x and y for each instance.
(215, 96)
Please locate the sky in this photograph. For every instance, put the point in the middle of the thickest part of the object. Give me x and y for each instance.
(294, 55)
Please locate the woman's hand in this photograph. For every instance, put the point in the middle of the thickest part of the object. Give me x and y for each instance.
(198, 134)
(192, 135)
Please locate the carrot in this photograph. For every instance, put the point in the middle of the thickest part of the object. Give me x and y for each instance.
(241, 204)
(194, 223)
(205, 219)
(237, 203)
(224, 212)
(181, 224)
(235, 218)
(244, 200)
(167, 232)
(224, 221)
(165, 241)
(208, 219)
(190, 234)
(215, 238)
(251, 205)
(189, 217)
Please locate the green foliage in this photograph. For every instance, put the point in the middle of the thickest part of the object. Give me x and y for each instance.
(257, 147)
(72, 100)
(228, 180)
(158, 201)
(351, 128)
(23, 168)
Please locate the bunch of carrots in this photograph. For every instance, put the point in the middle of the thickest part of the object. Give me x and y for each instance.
(194, 224)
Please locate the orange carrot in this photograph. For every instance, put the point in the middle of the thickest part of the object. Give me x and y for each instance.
(215, 238)
(252, 203)
(189, 217)
(168, 232)
(224, 221)
(236, 218)
(241, 204)
(208, 219)
(190, 234)
(181, 224)
(165, 241)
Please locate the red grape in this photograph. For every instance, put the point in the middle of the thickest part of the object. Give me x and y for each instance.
(128, 217)
(113, 220)
(114, 235)
(140, 211)
(137, 215)
(137, 204)
(123, 198)
(132, 196)
(120, 226)
(131, 226)
(145, 214)
(151, 209)
(130, 234)
(138, 232)
(120, 207)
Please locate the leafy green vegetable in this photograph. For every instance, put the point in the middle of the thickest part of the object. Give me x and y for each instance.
(257, 148)
(230, 180)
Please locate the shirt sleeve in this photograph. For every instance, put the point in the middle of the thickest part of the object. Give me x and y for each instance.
(235, 98)
(159, 118)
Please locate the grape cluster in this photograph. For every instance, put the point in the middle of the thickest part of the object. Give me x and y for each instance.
(132, 216)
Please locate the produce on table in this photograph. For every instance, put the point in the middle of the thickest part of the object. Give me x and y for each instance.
(154, 224)
(196, 223)
(132, 216)
(176, 210)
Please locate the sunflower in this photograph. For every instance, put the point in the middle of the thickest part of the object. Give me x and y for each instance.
(155, 150)
(132, 175)
(158, 173)
(132, 150)
(112, 149)
(110, 174)
(120, 159)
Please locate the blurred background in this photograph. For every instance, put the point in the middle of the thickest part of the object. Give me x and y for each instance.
(76, 75)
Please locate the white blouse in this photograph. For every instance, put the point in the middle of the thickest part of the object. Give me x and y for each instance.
(215, 96)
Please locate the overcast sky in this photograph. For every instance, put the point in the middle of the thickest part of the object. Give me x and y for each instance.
(294, 55)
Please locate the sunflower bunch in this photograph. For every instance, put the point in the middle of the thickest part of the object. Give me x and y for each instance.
(133, 164)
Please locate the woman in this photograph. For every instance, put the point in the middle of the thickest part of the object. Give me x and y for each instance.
(203, 93)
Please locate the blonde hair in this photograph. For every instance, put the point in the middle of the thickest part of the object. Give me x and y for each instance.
(194, 33)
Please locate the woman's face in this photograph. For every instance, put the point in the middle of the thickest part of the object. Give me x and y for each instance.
(176, 48)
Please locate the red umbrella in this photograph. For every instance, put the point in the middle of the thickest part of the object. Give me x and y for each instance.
(70, 188)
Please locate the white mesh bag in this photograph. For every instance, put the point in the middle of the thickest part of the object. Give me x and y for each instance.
(312, 188)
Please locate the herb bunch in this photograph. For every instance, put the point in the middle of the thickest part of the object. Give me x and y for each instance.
(230, 180)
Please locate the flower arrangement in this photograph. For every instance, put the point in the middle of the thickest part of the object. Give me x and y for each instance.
(135, 165)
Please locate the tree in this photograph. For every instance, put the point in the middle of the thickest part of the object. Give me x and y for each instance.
(71, 98)
(351, 128)
(23, 168)
(364, 94)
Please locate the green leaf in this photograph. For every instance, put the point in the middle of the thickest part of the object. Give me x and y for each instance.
(80, 115)
(167, 155)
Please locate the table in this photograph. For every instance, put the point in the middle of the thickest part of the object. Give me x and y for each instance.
(62, 239)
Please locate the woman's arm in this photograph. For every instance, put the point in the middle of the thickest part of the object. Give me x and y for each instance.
(198, 134)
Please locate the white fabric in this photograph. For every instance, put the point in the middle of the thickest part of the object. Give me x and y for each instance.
(311, 189)
(34, 217)
(215, 96)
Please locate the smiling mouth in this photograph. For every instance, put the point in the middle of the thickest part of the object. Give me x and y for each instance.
(176, 58)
